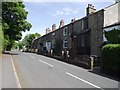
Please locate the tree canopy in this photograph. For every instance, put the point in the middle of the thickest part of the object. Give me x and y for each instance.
(14, 22)
(113, 36)
(27, 41)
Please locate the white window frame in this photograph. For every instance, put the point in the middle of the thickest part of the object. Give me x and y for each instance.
(82, 22)
(53, 43)
(64, 42)
(65, 31)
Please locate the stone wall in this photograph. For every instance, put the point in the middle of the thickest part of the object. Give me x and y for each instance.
(96, 26)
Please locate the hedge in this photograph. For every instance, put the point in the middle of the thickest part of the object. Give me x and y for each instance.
(1, 39)
(111, 58)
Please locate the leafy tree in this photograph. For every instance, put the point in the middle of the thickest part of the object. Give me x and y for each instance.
(18, 45)
(14, 22)
(113, 36)
(27, 41)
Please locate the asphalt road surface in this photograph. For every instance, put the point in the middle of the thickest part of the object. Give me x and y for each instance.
(28, 70)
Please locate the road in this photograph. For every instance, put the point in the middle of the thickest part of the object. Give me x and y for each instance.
(28, 70)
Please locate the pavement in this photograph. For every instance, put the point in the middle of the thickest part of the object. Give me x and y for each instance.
(29, 70)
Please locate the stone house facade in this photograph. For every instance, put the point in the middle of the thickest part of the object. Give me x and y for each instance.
(79, 39)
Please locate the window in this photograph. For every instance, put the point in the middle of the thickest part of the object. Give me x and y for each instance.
(53, 35)
(65, 43)
(85, 23)
(53, 43)
(48, 45)
(65, 31)
(82, 24)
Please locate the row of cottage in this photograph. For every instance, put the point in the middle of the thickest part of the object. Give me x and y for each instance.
(81, 38)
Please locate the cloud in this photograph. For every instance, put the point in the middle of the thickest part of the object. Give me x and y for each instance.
(65, 11)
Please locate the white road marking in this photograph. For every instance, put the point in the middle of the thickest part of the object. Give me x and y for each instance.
(32, 57)
(52, 59)
(46, 63)
(84, 80)
(16, 76)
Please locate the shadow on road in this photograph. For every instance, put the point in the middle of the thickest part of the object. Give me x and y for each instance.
(10, 52)
(97, 71)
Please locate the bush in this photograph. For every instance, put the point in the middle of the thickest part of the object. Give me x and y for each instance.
(111, 57)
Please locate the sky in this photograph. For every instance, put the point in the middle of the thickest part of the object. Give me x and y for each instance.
(43, 15)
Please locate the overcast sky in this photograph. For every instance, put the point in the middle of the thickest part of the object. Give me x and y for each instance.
(43, 14)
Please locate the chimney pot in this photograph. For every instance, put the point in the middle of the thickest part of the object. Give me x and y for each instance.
(53, 27)
(90, 9)
(72, 20)
(61, 23)
(48, 30)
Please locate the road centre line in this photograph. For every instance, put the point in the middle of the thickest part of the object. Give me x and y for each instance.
(42, 61)
(84, 80)
(16, 76)
(46, 63)
(61, 62)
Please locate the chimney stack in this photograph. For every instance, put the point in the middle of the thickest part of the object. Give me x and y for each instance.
(90, 9)
(61, 23)
(48, 30)
(53, 27)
